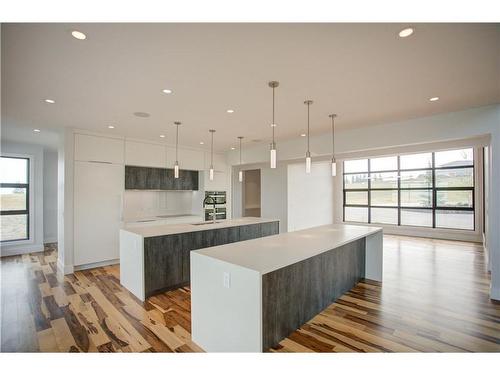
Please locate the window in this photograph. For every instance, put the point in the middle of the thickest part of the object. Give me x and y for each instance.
(431, 189)
(14, 198)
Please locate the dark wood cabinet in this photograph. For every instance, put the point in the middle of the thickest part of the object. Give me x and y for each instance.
(167, 258)
(247, 232)
(162, 262)
(145, 178)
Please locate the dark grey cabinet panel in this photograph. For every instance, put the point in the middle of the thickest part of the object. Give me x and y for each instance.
(163, 272)
(145, 178)
(293, 295)
(268, 229)
(247, 232)
(162, 262)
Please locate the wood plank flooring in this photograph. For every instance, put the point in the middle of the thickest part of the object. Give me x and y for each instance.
(434, 298)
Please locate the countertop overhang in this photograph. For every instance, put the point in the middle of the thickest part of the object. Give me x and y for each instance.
(270, 253)
(170, 229)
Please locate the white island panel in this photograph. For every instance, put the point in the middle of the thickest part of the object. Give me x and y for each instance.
(224, 295)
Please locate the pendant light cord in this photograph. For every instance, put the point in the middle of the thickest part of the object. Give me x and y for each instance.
(177, 144)
(212, 151)
(308, 105)
(333, 136)
(273, 124)
(240, 151)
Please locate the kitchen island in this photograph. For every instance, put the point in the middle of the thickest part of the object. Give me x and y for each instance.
(248, 296)
(156, 258)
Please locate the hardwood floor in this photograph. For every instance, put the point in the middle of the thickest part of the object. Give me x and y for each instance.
(434, 298)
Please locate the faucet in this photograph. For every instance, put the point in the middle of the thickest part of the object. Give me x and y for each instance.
(207, 198)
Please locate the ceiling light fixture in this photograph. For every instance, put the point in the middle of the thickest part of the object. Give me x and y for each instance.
(202, 143)
(303, 135)
(162, 135)
(36, 130)
(50, 101)
(176, 166)
(434, 99)
(167, 91)
(78, 35)
(230, 111)
(233, 148)
(111, 127)
(240, 173)
(273, 85)
(405, 32)
(334, 164)
(308, 153)
(211, 173)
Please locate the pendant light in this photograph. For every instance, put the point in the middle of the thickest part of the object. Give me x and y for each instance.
(240, 173)
(211, 173)
(176, 166)
(273, 85)
(334, 163)
(308, 153)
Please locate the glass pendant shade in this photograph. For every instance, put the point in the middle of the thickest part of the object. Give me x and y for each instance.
(176, 170)
(240, 176)
(308, 164)
(334, 168)
(273, 158)
(211, 173)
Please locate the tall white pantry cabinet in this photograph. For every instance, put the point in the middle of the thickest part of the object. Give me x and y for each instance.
(99, 179)
(99, 185)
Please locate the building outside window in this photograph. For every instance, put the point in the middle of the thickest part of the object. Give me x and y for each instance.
(431, 189)
(14, 198)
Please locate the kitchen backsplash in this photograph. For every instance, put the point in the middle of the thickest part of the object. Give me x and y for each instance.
(144, 204)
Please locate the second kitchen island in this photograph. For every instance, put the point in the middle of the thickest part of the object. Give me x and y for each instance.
(157, 258)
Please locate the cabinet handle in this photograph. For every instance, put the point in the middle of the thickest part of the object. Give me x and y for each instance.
(100, 162)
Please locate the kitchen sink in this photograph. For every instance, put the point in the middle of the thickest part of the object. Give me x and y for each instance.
(206, 222)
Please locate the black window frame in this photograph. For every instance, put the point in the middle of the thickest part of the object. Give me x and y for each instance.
(433, 189)
(27, 205)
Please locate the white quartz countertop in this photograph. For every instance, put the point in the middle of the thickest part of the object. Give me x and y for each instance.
(167, 229)
(270, 253)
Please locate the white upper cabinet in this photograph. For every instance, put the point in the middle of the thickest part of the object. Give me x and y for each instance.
(220, 163)
(188, 158)
(100, 149)
(145, 154)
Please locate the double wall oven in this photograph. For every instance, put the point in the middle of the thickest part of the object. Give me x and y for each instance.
(220, 205)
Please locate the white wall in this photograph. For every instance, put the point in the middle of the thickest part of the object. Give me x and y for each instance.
(310, 196)
(35, 242)
(274, 195)
(443, 127)
(49, 196)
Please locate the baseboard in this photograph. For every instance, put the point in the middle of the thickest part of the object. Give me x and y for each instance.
(6, 250)
(96, 265)
(64, 269)
(495, 293)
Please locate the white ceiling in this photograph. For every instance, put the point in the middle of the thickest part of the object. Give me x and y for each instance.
(363, 72)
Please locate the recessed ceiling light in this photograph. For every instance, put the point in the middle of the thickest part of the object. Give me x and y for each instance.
(202, 143)
(50, 101)
(111, 127)
(36, 130)
(406, 32)
(230, 111)
(273, 125)
(141, 114)
(233, 148)
(78, 35)
(434, 99)
(167, 91)
(162, 135)
(303, 135)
